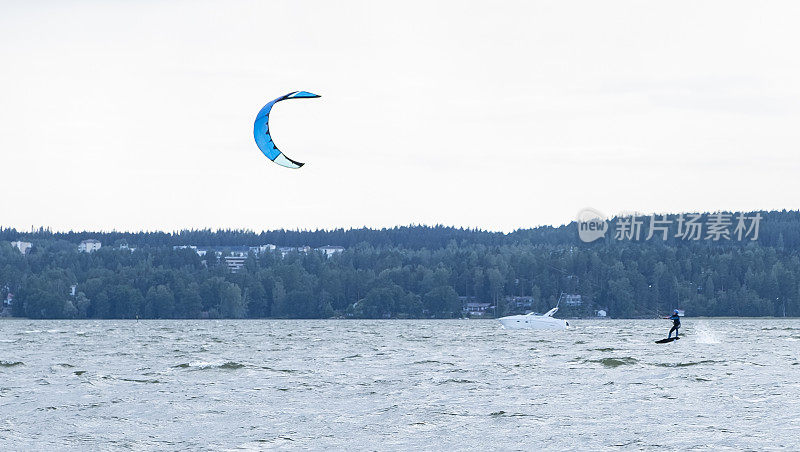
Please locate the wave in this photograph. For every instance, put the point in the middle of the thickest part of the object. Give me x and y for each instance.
(286, 371)
(614, 362)
(705, 335)
(136, 380)
(502, 413)
(11, 363)
(455, 380)
(433, 361)
(695, 363)
(133, 380)
(203, 365)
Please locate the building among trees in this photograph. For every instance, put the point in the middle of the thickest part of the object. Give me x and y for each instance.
(573, 300)
(23, 247)
(89, 246)
(329, 250)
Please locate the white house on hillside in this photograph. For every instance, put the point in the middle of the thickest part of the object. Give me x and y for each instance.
(292, 249)
(573, 300)
(330, 250)
(199, 252)
(23, 247)
(262, 248)
(235, 262)
(88, 246)
(476, 309)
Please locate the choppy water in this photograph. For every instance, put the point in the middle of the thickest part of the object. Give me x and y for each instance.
(397, 385)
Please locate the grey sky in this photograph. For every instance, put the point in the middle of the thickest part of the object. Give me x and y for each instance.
(500, 115)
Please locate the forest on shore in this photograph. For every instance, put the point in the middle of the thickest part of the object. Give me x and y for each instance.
(402, 272)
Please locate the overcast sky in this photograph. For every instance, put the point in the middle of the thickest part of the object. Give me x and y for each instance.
(495, 114)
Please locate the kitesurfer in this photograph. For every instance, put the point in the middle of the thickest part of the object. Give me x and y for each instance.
(676, 323)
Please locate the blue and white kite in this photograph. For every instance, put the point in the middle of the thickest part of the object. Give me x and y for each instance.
(264, 139)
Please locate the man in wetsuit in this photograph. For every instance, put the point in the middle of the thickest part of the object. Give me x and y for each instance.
(676, 323)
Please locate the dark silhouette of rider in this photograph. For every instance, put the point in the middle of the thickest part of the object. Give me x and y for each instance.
(676, 323)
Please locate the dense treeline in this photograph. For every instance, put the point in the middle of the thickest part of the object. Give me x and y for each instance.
(779, 229)
(407, 272)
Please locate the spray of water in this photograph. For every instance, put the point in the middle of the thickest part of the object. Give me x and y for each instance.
(703, 334)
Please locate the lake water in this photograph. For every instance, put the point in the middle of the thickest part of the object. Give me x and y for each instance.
(394, 384)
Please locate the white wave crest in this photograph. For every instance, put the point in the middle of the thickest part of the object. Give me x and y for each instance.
(703, 334)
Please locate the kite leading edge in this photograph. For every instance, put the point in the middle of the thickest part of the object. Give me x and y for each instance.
(263, 137)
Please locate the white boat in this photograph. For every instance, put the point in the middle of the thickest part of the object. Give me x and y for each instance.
(534, 321)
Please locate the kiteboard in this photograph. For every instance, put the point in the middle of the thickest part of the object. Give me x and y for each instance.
(669, 339)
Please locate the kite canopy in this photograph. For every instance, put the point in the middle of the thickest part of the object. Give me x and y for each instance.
(263, 137)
